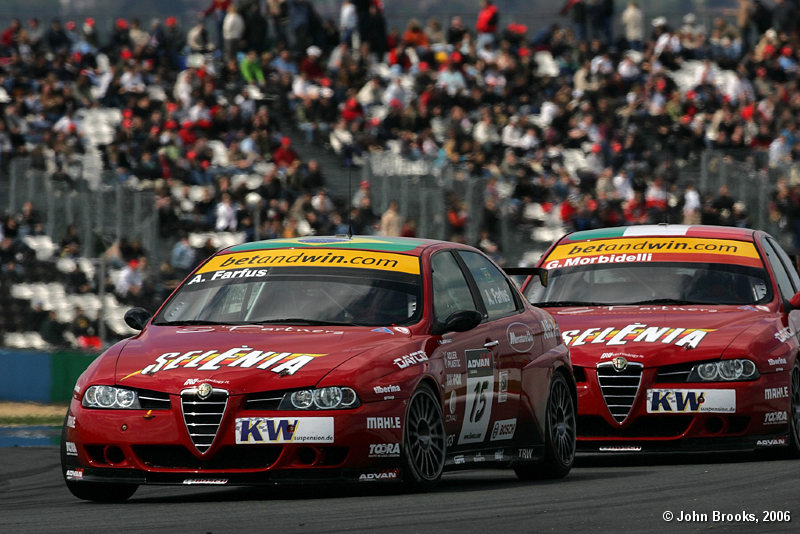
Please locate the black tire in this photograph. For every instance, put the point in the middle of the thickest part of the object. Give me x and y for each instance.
(92, 491)
(794, 411)
(560, 435)
(424, 441)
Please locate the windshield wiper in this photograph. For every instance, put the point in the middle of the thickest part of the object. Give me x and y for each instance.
(186, 322)
(566, 303)
(663, 301)
(296, 320)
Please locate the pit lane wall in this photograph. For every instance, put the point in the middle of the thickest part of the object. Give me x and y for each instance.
(45, 377)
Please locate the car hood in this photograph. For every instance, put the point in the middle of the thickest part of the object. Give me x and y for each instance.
(243, 359)
(655, 335)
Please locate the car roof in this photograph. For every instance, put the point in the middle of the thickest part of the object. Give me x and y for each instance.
(664, 230)
(404, 245)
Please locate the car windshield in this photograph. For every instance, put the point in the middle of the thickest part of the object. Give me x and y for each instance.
(298, 295)
(652, 283)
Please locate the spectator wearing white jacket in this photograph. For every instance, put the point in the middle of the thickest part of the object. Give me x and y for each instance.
(232, 31)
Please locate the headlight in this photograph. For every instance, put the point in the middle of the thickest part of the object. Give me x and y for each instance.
(110, 397)
(724, 371)
(329, 398)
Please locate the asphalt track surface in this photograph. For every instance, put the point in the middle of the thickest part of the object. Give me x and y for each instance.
(599, 495)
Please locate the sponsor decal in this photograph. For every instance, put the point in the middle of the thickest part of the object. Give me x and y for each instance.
(784, 334)
(504, 429)
(384, 450)
(377, 423)
(205, 481)
(550, 328)
(451, 360)
(227, 275)
(283, 363)
(776, 418)
(402, 330)
(383, 390)
(382, 330)
(525, 454)
(607, 355)
(479, 395)
(620, 448)
(74, 474)
(776, 393)
(777, 361)
(445, 341)
(453, 380)
(195, 381)
(650, 249)
(71, 448)
(520, 336)
(478, 458)
(458, 459)
(451, 403)
(637, 333)
(502, 386)
(691, 401)
(284, 430)
(70, 421)
(386, 474)
(362, 259)
(498, 455)
(775, 442)
(451, 438)
(411, 359)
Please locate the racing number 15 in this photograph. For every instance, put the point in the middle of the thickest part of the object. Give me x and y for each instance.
(479, 401)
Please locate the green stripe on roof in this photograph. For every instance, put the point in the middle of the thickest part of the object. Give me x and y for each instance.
(618, 231)
(385, 244)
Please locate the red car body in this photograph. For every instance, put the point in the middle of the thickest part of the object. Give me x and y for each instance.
(430, 394)
(641, 331)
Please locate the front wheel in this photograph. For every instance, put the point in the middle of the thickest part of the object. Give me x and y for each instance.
(560, 435)
(424, 440)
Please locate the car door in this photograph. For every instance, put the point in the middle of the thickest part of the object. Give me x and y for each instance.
(508, 336)
(470, 376)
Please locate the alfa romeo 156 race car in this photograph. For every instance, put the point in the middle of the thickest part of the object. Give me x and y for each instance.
(682, 338)
(326, 359)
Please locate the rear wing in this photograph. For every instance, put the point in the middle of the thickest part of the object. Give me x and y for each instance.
(528, 271)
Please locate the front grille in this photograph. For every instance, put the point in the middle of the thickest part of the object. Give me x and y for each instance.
(153, 400)
(266, 401)
(674, 373)
(229, 457)
(619, 388)
(648, 426)
(203, 416)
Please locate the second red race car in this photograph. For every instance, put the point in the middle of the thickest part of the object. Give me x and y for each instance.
(683, 338)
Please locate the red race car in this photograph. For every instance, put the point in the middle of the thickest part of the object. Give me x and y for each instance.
(326, 358)
(682, 338)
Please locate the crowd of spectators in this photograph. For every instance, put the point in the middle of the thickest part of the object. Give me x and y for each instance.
(249, 75)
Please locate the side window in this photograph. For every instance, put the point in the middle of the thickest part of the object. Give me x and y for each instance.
(782, 277)
(787, 262)
(496, 292)
(450, 289)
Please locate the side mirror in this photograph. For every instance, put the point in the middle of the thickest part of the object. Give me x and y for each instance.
(541, 272)
(136, 318)
(794, 302)
(460, 321)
